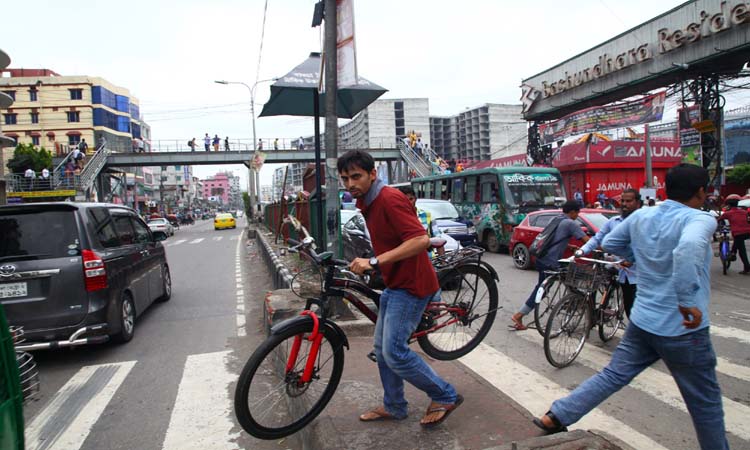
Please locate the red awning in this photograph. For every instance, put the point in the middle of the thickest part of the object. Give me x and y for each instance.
(35, 133)
(73, 133)
(50, 134)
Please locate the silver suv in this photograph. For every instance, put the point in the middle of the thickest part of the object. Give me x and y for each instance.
(78, 273)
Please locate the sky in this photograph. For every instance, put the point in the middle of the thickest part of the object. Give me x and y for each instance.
(168, 53)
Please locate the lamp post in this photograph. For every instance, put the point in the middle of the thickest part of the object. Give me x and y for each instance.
(254, 181)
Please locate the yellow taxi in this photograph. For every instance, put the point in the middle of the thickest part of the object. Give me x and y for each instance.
(225, 220)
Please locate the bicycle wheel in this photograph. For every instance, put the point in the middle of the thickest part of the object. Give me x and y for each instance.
(269, 401)
(554, 290)
(725, 254)
(472, 291)
(567, 329)
(613, 314)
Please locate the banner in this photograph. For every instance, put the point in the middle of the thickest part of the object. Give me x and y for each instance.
(346, 54)
(259, 158)
(690, 138)
(636, 112)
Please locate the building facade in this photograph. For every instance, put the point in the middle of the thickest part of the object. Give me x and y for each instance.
(223, 189)
(384, 121)
(57, 112)
(488, 131)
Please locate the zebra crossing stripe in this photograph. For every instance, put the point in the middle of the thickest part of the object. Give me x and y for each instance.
(171, 244)
(662, 387)
(731, 333)
(217, 238)
(196, 241)
(67, 420)
(201, 417)
(535, 393)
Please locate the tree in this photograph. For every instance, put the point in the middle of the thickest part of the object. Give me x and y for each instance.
(740, 175)
(248, 207)
(27, 156)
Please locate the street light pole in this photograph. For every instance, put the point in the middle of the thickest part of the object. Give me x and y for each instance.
(254, 181)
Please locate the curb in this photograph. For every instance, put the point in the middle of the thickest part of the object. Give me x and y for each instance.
(282, 278)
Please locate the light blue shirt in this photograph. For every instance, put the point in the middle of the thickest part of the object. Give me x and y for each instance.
(671, 244)
(626, 274)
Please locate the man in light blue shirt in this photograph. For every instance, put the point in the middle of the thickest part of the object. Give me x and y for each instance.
(672, 246)
(630, 201)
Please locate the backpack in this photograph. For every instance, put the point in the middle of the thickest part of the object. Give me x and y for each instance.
(190, 143)
(543, 241)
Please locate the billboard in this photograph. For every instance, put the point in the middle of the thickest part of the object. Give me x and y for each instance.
(690, 138)
(618, 152)
(644, 110)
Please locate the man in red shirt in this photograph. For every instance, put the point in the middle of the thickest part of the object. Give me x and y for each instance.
(739, 223)
(400, 245)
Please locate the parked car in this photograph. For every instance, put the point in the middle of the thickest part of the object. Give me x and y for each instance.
(356, 237)
(444, 219)
(161, 225)
(78, 273)
(224, 220)
(591, 220)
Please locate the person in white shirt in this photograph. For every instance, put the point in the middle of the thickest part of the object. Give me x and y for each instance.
(29, 175)
(45, 178)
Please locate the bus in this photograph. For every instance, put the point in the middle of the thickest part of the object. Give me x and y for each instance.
(495, 199)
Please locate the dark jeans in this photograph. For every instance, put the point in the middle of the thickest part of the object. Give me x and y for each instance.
(739, 247)
(690, 359)
(531, 301)
(628, 296)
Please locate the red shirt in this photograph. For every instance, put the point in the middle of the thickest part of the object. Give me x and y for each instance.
(738, 220)
(391, 221)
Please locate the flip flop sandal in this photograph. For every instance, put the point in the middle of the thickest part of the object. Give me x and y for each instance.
(448, 409)
(379, 415)
(517, 326)
(557, 428)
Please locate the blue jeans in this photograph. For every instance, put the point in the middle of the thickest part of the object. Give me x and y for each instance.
(398, 317)
(691, 360)
(531, 301)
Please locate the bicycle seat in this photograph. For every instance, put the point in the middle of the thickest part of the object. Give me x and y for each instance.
(437, 242)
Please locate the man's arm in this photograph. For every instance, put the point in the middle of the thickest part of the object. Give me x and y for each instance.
(596, 241)
(689, 258)
(617, 241)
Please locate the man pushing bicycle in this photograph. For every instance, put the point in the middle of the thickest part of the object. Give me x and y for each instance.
(400, 243)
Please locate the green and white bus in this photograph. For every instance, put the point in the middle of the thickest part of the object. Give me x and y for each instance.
(495, 199)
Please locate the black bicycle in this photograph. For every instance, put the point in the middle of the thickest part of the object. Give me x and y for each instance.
(578, 311)
(293, 374)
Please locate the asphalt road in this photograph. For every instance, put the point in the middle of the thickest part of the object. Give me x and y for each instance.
(171, 387)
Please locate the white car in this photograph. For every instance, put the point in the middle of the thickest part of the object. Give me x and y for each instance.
(161, 226)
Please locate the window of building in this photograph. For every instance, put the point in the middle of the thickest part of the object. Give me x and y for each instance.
(35, 140)
(34, 117)
(10, 119)
(76, 94)
(177, 167)
(400, 123)
(178, 178)
(400, 131)
(74, 139)
(33, 95)
(74, 116)
(399, 114)
(11, 94)
(398, 105)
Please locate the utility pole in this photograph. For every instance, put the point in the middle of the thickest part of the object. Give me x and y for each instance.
(649, 172)
(332, 217)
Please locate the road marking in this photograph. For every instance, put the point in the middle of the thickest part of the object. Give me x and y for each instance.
(196, 241)
(731, 333)
(733, 370)
(201, 417)
(218, 238)
(536, 393)
(239, 286)
(176, 243)
(240, 293)
(662, 387)
(241, 330)
(240, 307)
(68, 418)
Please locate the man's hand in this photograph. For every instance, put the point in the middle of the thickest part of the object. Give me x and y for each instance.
(693, 317)
(626, 264)
(360, 265)
(578, 253)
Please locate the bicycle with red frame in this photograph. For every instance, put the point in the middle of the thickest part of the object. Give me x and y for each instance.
(293, 374)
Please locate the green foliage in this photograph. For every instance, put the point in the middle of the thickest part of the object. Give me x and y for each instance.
(740, 174)
(26, 155)
(246, 202)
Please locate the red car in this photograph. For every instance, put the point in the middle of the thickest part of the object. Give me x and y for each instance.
(523, 235)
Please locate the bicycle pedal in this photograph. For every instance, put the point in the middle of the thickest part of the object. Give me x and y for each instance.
(371, 356)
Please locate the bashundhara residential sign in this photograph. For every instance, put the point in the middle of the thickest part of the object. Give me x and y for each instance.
(612, 57)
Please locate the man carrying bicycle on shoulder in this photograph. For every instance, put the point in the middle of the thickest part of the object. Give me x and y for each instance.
(630, 200)
(400, 243)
